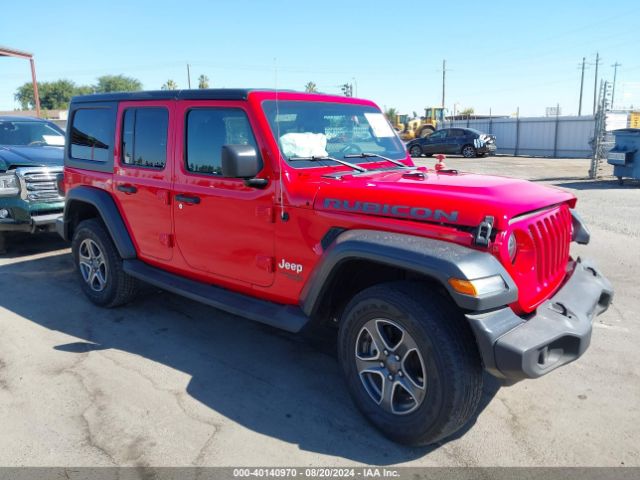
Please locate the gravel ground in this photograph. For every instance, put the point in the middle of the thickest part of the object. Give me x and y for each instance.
(168, 382)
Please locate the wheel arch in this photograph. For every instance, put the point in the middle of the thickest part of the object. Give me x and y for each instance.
(82, 203)
(358, 259)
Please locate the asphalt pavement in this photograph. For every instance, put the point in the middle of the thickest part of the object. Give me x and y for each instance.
(166, 381)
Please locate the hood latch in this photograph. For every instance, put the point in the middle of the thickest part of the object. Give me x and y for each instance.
(483, 232)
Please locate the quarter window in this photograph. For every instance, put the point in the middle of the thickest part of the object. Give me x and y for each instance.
(91, 134)
(208, 129)
(144, 137)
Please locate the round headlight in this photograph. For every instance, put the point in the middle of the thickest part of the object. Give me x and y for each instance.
(512, 247)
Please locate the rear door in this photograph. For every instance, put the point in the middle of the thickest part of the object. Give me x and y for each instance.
(223, 227)
(455, 140)
(142, 175)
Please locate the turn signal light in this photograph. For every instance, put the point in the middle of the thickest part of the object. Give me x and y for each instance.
(480, 286)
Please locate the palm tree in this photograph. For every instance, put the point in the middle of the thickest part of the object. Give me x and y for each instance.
(391, 113)
(170, 85)
(311, 87)
(203, 81)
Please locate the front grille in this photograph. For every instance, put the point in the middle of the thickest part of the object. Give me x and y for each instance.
(551, 236)
(38, 184)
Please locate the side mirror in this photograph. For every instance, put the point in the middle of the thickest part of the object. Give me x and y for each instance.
(240, 161)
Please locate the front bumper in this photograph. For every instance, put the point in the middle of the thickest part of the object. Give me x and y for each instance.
(559, 332)
(36, 223)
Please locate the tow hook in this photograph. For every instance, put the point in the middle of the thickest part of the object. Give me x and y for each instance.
(483, 232)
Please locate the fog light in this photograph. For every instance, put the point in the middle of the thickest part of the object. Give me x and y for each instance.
(4, 213)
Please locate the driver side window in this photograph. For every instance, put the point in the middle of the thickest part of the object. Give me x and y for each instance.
(208, 129)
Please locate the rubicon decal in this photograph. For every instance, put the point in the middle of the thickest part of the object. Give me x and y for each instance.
(417, 213)
(290, 267)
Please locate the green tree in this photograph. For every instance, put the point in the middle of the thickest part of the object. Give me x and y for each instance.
(311, 87)
(203, 81)
(391, 113)
(53, 95)
(117, 83)
(467, 111)
(170, 85)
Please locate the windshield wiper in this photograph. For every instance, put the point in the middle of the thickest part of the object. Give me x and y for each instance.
(371, 155)
(337, 160)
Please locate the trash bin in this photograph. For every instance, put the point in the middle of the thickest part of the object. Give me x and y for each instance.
(625, 155)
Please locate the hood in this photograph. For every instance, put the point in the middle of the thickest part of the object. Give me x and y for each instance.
(463, 199)
(41, 156)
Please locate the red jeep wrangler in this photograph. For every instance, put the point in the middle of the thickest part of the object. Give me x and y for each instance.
(305, 210)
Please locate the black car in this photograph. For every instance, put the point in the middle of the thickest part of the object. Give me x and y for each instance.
(463, 141)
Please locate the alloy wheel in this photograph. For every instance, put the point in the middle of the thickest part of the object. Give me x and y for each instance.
(390, 366)
(93, 266)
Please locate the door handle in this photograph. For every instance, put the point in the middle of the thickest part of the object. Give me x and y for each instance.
(130, 189)
(192, 199)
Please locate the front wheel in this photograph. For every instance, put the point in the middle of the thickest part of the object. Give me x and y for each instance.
(415, 151)
(99, 266)
(469, 151)
(411, 363)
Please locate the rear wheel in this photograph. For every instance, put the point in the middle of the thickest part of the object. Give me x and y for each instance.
(99, 266)
(415, 151)
(469, 151)
(411, 363)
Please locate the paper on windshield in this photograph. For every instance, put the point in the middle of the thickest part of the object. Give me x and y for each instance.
(304, 144)
(379, 125)
(57, 140)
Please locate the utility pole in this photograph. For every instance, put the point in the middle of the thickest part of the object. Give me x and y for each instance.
(615, 74)
(595, 82)
(444, 72)
(188, 76)
(581, 87)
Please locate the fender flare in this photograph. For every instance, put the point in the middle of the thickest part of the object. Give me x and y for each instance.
(436, 259)
(106, 207)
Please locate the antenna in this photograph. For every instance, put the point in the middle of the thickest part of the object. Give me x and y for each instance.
(284, 216)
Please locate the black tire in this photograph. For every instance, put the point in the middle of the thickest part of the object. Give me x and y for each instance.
(469, 151)
(415, 151)
(452, 380)
(620, 181)
(117, 287)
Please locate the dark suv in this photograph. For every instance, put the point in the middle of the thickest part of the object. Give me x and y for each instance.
(31, 155)
(467, 142)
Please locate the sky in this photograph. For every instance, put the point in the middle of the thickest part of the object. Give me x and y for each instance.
(501, 56)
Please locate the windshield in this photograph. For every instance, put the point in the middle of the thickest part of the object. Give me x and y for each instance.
(27, 133)
(321, 129)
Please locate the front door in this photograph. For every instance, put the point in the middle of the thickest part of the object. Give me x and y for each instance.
(142, 175)
(223, 227)
(435, 143)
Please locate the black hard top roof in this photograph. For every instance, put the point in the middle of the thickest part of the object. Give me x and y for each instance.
(195, 94)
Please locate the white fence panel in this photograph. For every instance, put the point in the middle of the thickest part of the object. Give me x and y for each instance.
(537, 136)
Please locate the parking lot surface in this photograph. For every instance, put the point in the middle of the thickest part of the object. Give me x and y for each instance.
(165, 381)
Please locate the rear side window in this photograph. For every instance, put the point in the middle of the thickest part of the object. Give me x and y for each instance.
(91, 134)
(208, 129)
(144, 137)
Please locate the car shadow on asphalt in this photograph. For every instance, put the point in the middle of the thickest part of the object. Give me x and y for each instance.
(266, 380)
(600, 185)
(24, 244)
